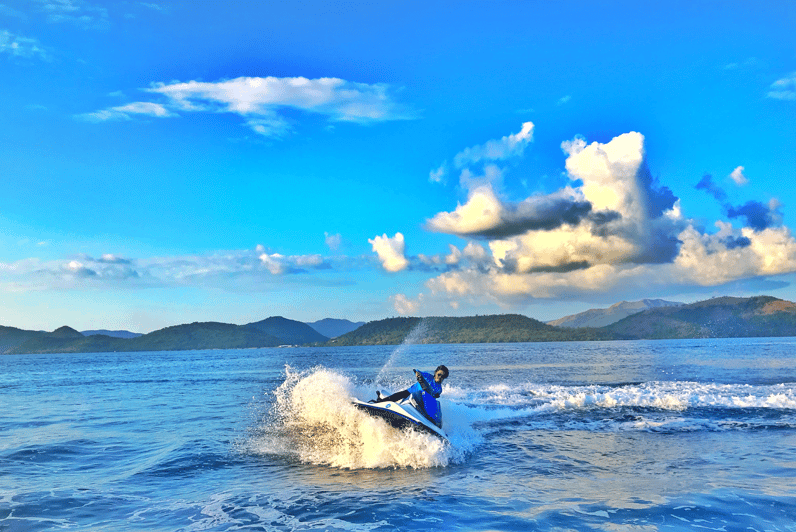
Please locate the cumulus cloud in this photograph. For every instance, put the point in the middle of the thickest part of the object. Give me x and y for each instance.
(472, 256)
(485, 216)
(784, 88)
(615, 228)
(618, 214)
(405, 306)
(262, 101)
(390, 251)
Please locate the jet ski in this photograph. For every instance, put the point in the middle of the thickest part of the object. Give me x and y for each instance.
(420, 411)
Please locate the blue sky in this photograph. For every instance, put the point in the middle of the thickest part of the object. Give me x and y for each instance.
(169, 162)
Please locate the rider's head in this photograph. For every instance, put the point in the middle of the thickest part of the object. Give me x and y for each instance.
(440, 374)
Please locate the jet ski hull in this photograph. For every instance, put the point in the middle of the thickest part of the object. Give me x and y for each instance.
(402, 415)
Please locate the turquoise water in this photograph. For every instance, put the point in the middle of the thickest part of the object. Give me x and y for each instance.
(658, 435)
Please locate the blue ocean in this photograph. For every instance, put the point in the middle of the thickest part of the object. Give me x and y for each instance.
(637, 435)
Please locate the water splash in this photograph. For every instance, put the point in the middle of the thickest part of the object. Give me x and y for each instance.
(314, 421)
(415, 336)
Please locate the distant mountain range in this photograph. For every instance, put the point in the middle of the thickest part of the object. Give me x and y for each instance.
(112, 334)
(714, 318)
(614, 313)
(328, 327)
(474, 329)
(722, 317)
(332, 328)
(271, 332)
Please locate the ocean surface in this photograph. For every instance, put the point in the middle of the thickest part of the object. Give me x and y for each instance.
(642, 436)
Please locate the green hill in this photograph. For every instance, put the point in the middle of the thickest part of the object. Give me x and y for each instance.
(473, 329)
(11, 337)
(290, 331)
(209, 335)
(722, 317)
(714, 318)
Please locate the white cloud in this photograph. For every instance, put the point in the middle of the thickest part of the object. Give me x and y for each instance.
(405, 306)
(738, 177)
(746, 64)
(564, 99)
(617, 214)
(454, 257)
(274, 263)
(144, 108)
(484, 157)
(252, 269)
(484, 215)
(262, 101)
(633, 236)
(124, 112)
(333, 242)
(337, 98)
(491, 177)
(78, 12)
(279, 264)
(438, 175)
(390, 252)
(270, 126)
(153, 6)
(498, 149)
(18, 46)
(707, 260)
(481, 212)
(784, 88)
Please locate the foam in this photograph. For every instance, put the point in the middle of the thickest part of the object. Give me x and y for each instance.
(664, 395)
(314, 421)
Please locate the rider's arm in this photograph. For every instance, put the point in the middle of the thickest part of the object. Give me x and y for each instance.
(421, 378)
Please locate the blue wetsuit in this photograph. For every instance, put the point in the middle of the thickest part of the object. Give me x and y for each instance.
(433, 388)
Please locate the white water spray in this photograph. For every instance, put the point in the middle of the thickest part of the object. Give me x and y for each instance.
(414, 337)
(314, 421)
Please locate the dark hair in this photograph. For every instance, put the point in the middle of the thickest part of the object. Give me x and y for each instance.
(444, 370)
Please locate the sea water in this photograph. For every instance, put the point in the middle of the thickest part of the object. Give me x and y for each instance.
(642, 435)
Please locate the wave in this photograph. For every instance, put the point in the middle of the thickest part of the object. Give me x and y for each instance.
(662, 406)
(665, 395)
(311, 418)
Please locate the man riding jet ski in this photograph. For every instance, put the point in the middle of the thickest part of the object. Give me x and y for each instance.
(415, 407)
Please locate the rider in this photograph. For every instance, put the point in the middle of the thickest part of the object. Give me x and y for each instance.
(426, 381)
